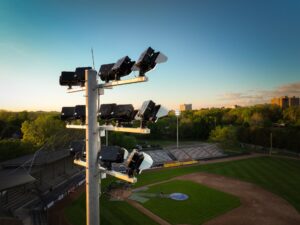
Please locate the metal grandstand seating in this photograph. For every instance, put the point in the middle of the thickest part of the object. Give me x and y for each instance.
(180, 154)
(196, 152)
(159, 157)
(15, 198)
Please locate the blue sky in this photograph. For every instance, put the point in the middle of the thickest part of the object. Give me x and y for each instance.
(220, 52)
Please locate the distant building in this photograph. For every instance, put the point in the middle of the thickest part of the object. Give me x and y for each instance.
(185, 107)
(294, 101)
(285, 101)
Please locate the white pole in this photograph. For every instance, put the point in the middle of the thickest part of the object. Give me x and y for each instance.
(271, 143)
(106, 136)
(92, 146)
(177, 133)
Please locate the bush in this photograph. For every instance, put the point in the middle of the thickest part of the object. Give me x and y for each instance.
(283, 138)
(11, 148)
(226, 135)
(122, 140)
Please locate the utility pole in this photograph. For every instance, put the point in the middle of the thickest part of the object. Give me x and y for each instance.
(106, 137)
(93, 146)
(271, 143)
(177, 114)
(177, 134)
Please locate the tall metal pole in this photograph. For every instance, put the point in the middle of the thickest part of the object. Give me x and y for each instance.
(92, 147)
(271, 143)
(177, 133)
(106, 137)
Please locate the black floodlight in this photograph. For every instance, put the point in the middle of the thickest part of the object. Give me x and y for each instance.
(70, 78)
(67, 113)
(147, 110)
(148, 60)
(114, 71)
(105, 72)
(112, 154)
(122, 67)
(106, 111)
(77, 148)
(79, 113)
(67, 79)
(138, 161)
(153, 117)
(80, 75)
(124, 113)
(151, 112)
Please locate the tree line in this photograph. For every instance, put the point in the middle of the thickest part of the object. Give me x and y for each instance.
(25, 132)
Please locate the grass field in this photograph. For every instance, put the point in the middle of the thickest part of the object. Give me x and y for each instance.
(278, 175)
(203, 203)
(112, 213)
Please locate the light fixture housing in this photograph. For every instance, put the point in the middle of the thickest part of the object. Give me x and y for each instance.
(106, 111)
(151, 112)
(147, 110)
(79, 113)
(112, 154)
(67, 79)
(148, 60)
(137, 162)
(67, 114)
(80, 74)
(70, 78)
(105, 72)
(124, 113)
(114, 71)
(77, 148)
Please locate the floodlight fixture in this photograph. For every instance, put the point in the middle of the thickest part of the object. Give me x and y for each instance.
(67, 79)
(147, 110)
(79, 113)
(122, 67)
(77, 148)
(112, 154)
(148, 60)
(70, 78)
(67, 114)
(124, 113)
(137, 162)
(105, 72)
(106, 111)
(80, 75)
(114, 71)
(151, 112)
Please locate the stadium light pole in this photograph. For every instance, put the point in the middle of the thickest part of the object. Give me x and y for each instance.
(93, 145)
(177, 113)
(271, 143)
(86, 78)
(106, 137)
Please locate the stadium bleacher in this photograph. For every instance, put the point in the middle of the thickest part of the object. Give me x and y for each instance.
(185, 153)
(196, 152)
(160, 157)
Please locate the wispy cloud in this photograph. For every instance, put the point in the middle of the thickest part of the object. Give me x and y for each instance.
(252, 97)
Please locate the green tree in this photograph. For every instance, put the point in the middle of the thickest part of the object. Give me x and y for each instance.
(226, 135)
(42, 129)
(292, 115)
(10, 148)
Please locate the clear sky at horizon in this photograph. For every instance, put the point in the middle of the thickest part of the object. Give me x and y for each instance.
(220, 52)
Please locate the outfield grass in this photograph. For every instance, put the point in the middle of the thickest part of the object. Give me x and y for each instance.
(278, 175)
(112, 213)
(202, 205)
